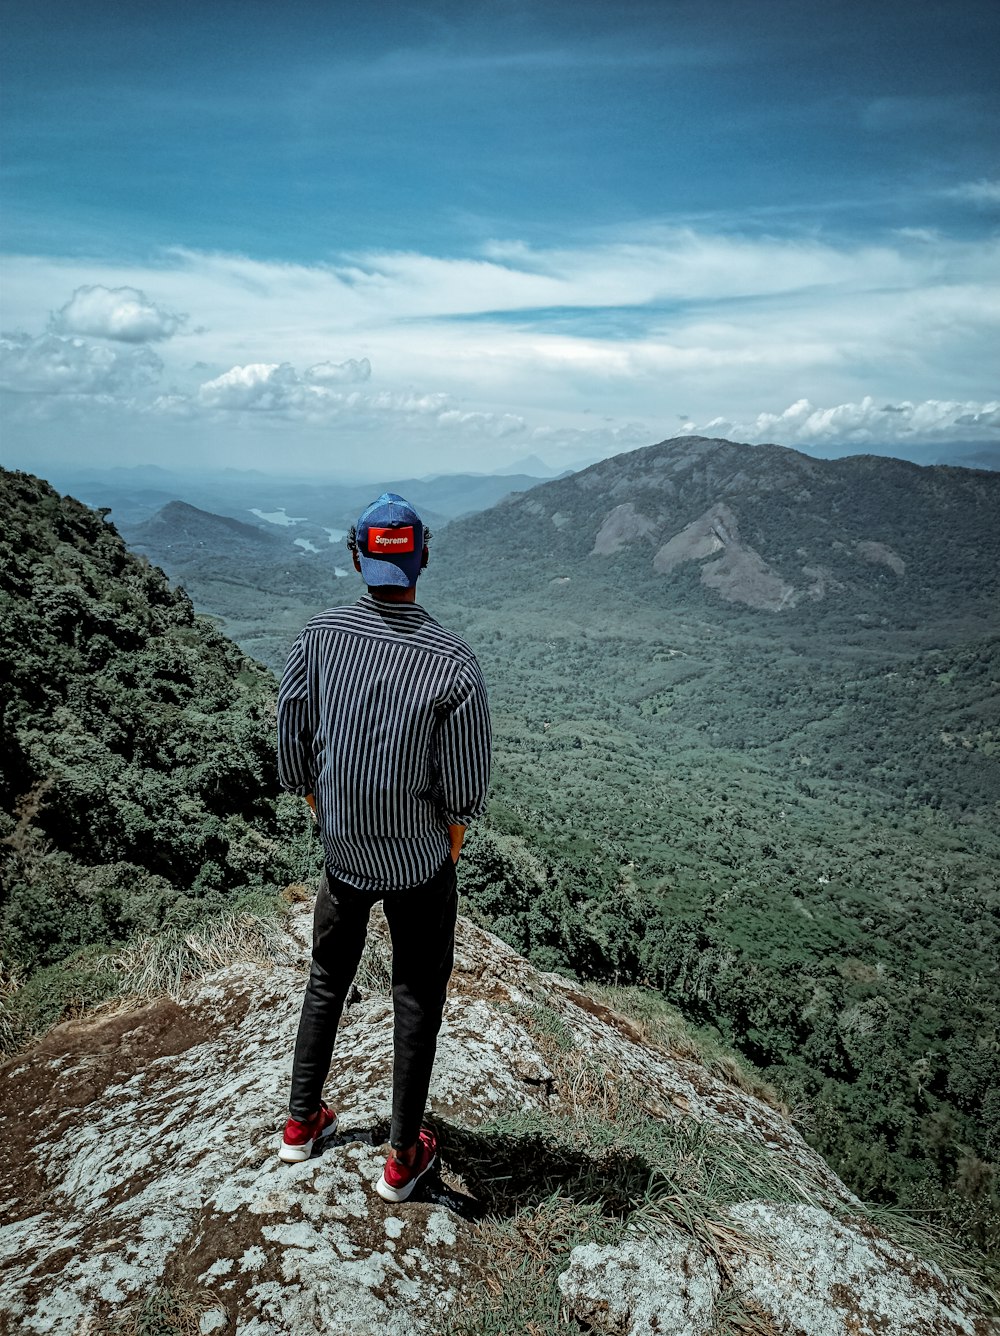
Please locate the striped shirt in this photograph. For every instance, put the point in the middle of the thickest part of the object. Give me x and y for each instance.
(383, 716)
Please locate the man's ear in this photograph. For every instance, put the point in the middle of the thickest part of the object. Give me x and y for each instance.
(357, 563)
(425, 558)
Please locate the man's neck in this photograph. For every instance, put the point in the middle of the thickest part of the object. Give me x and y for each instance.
(393, 593)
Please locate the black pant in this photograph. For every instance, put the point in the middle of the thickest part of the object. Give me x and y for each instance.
(422, 927)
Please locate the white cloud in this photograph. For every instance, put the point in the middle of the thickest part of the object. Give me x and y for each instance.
(278, 389)
(977, 192)
(868, 422)
(497, 425)
(124, 314)
(259, 387)
(351, 372)
(594, 347)
(53, 365)
(408, 401)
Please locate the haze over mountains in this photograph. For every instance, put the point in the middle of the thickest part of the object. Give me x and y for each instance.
(134, 494)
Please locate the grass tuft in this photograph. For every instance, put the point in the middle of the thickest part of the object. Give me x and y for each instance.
(374, 973)
(168, 963)
(174, 1311)
(527, 1254)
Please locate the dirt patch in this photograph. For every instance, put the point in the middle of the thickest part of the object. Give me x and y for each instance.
(70, 1068)
(605, 1014)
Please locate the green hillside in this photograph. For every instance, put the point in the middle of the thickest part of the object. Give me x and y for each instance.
(137, 786)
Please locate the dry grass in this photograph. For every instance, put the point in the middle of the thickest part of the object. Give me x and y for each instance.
(175, 1311)
(167, 964)
(297, 893)
(517, 1291)
(9, 985)
(374, 974)
(662, 1026)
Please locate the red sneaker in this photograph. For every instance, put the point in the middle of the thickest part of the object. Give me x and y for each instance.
(299, 1137)
(398, 1180)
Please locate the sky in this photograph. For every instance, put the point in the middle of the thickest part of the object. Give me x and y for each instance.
(417, 238)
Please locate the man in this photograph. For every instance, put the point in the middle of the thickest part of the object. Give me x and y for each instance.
(384, 728)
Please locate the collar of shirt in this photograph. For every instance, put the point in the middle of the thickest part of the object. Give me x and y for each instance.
(391, 609)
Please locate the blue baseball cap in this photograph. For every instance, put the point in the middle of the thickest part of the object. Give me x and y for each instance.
(390, 537)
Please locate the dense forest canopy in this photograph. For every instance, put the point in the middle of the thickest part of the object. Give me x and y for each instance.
(137, 785)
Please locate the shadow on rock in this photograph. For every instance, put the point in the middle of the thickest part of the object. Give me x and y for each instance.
(506, 1172)
(509, 1171)
(430, 1189)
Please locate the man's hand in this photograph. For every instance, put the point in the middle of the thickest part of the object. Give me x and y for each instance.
(456, 834)
(312, 805)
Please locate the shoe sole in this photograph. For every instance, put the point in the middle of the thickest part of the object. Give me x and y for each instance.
(388, 1193)
(296, 1154)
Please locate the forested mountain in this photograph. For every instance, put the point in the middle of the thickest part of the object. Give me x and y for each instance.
(695, 522)
(137, 785)
(184, 532)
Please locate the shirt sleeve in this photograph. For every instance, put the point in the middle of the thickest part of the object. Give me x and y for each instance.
(296, 725)
(464, 748)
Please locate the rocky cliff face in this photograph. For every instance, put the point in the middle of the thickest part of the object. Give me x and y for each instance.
(141, 1178)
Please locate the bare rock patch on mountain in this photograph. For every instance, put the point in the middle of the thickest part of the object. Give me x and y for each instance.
(879, 554)
(713, 532)
(738, 572)
(623, 526)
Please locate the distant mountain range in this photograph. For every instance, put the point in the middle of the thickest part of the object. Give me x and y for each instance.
(136, 494)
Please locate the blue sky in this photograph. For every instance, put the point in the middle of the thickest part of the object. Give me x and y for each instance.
(453, 234)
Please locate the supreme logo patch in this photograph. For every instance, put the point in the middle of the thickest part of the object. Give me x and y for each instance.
(390, 541)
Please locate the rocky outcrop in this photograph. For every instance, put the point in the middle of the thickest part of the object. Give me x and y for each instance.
(879, 554)
(712, 533)
(141, 1159)
(738, 572)
(809, 1274)
(643, 1287)
(623, 526)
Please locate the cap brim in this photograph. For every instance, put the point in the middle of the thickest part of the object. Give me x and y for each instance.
(402, 572)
